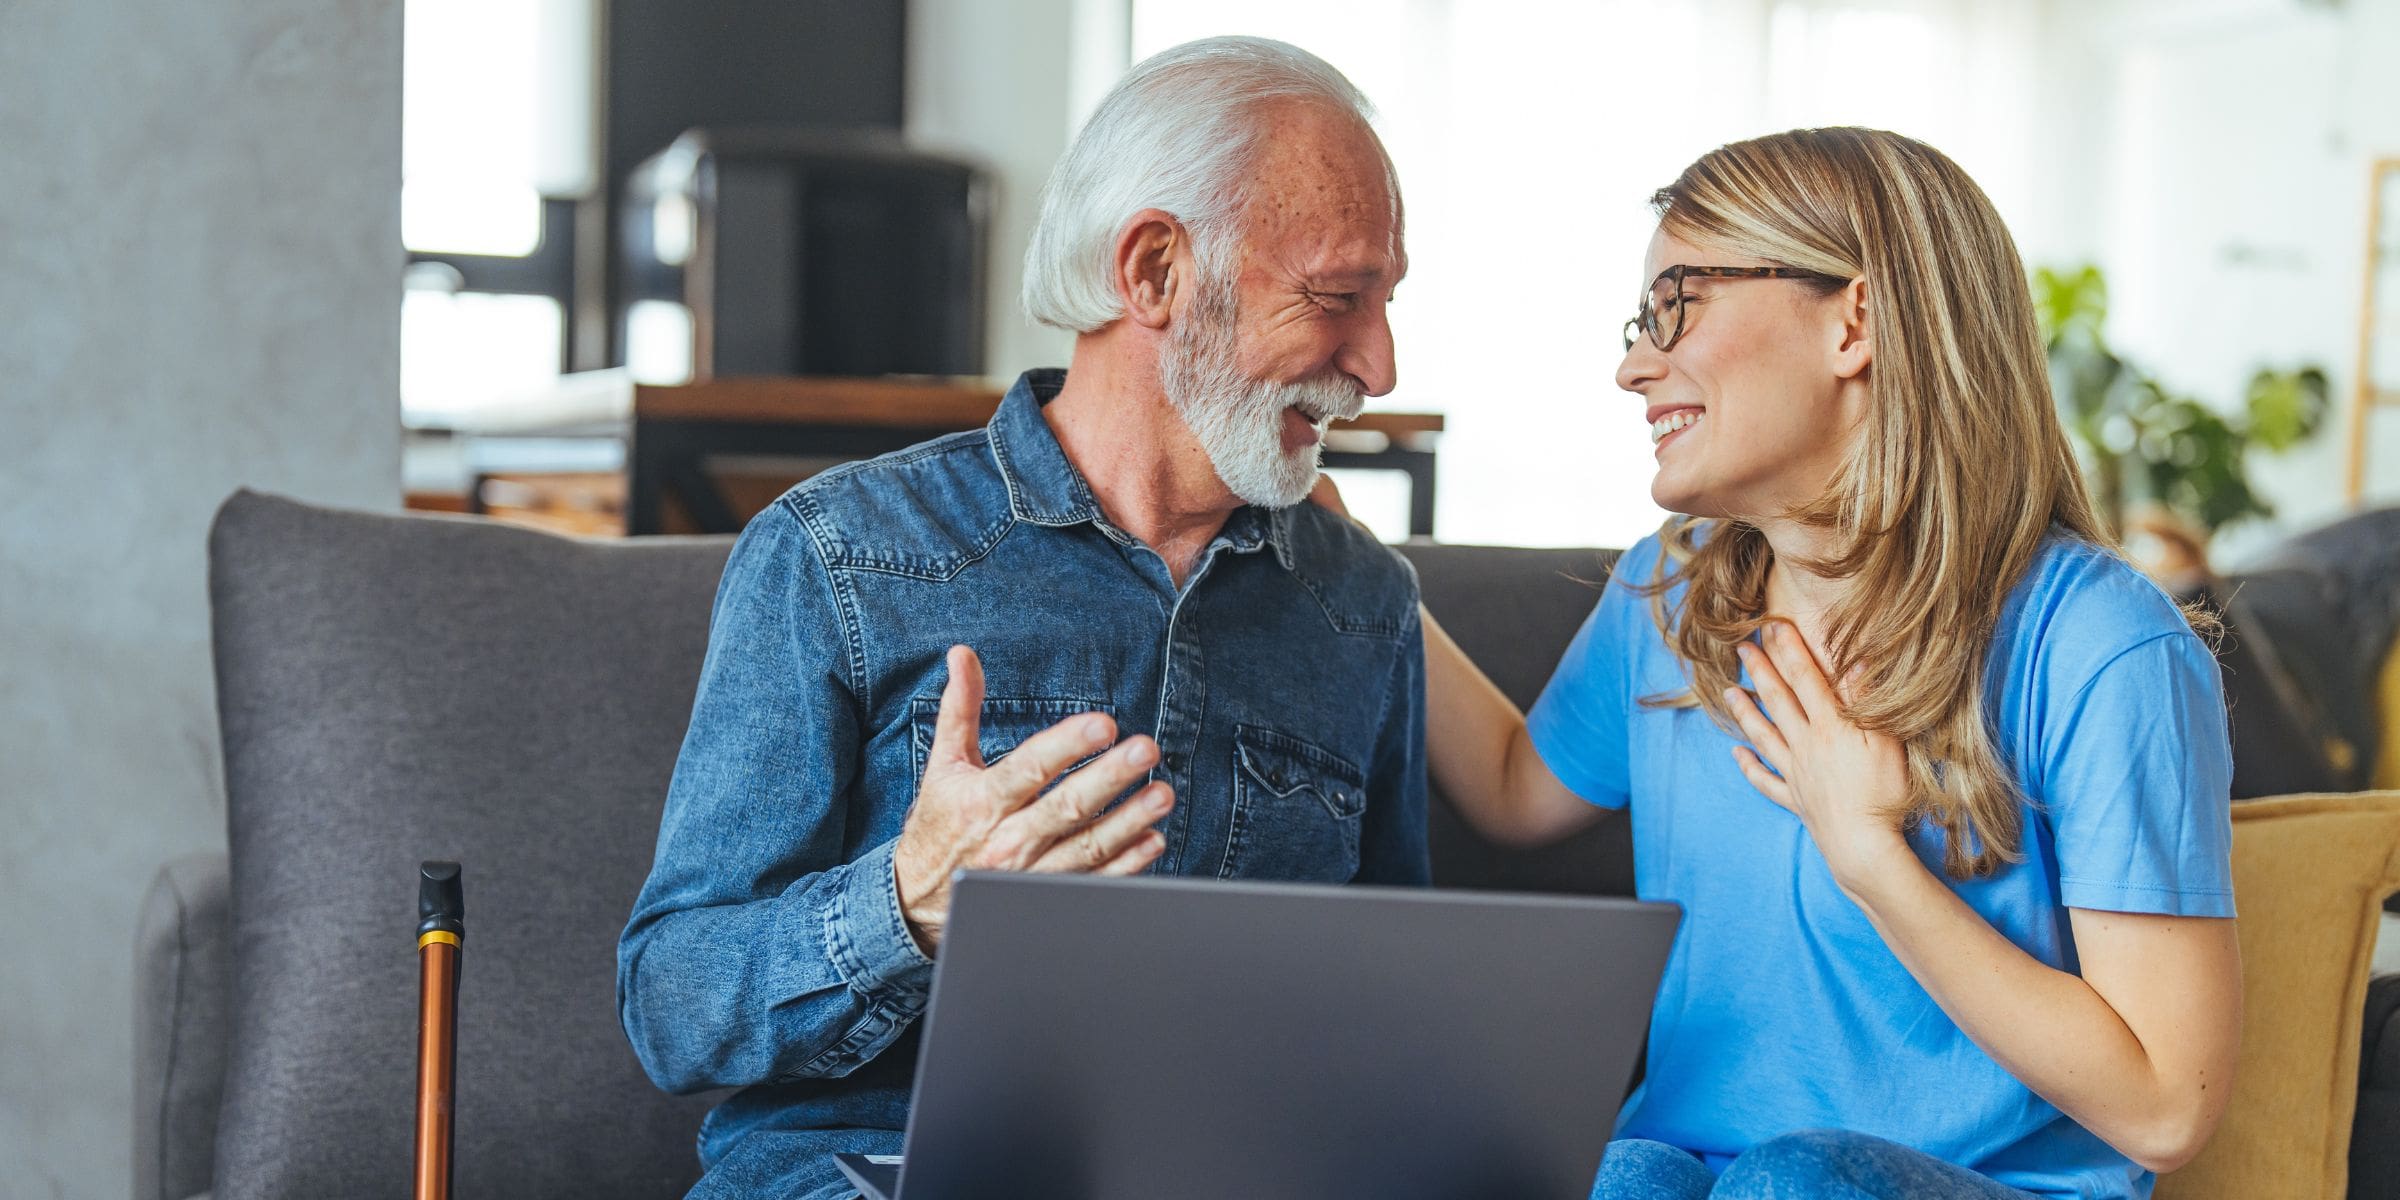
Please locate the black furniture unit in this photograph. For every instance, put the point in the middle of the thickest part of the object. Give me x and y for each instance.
(801, 253)
(673, 65)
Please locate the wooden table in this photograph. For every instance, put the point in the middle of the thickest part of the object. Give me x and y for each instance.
(682, 434)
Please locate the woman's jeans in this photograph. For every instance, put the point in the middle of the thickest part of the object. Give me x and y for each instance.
(1827, 1163)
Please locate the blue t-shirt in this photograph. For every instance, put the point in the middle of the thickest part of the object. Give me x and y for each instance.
(1781, 1008)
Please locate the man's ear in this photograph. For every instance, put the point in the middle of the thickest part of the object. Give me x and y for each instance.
(1152, 265)
(1854, 352)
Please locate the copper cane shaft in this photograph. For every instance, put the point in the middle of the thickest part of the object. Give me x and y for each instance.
(437, 1062)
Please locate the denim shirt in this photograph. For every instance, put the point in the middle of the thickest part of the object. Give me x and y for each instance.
(1283, 683)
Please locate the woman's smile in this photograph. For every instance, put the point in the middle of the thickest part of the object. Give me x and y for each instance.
(1665, 427)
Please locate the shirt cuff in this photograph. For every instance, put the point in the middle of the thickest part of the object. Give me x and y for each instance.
(1555, 736)
(868, 938)
(2116, 896)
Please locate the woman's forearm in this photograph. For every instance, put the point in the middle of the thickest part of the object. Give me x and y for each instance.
(1482, 758)
(2056, 1032)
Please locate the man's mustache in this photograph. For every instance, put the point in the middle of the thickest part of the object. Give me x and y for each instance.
(1334, 396)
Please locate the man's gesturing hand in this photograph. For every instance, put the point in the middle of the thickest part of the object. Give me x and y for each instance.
(997, 817)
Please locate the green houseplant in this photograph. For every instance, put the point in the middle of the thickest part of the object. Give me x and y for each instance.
(2143, 444)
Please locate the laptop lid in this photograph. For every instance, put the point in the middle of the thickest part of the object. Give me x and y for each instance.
(1170, 1038)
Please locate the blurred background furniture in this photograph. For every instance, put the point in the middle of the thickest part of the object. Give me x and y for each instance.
(601, 454)
(2375, 1157)
(2372, 389)
(366, 726)
(706, 457)
(2316, 620)
(804, 252)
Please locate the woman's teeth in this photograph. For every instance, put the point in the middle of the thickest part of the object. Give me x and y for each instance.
(1680, 419)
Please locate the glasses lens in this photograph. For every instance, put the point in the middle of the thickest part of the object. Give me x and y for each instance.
(1632, 330)
(1666, 309)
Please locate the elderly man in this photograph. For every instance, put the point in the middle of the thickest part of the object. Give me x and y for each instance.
(1175, 666)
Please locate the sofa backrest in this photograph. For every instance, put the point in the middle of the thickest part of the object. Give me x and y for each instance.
(400, 688)
(394, 688)
(1513, 611)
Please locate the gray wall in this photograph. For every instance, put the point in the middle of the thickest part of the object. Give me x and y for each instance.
(1006, 85)
(199, 290)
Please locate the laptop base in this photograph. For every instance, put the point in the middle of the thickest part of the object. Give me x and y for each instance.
(876, 1175)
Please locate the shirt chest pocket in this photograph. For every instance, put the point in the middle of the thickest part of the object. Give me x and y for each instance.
(1296, 810)
(1003, 725)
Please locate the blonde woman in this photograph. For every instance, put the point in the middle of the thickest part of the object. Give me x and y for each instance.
(1939, 780)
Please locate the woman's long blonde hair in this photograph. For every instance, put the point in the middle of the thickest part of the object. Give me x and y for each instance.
(1959, 470)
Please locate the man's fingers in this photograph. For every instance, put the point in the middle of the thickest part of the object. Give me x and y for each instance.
(1107, 838)
(1081, 795)
(1028, 769)
(1134, 858)
(957, 729)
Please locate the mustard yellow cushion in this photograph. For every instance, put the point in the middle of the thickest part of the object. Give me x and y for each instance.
(2310, 874)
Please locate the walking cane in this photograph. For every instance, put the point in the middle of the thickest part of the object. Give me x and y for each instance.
(441, 911)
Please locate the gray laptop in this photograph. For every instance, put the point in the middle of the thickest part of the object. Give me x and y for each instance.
(1169, 1039)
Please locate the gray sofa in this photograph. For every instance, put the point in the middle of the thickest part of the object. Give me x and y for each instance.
(398, 688)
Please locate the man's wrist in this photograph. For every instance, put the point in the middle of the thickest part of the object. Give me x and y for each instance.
(907, 892)
(871, 943)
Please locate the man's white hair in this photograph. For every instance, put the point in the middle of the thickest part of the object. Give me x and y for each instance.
(1176, 134)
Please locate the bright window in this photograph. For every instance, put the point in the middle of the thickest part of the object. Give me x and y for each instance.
(460, 351)
(496, 115)
(1528, 136)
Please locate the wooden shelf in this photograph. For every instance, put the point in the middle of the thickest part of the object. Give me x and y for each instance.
(933, 404)
(2382, 178)
(704, 456)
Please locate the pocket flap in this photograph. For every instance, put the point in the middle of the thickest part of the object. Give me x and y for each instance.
(1283, 764)
(1005, 723)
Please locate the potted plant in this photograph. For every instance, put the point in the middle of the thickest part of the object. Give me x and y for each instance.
(2155, 457)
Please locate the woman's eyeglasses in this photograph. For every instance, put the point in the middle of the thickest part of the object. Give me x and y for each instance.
(1662, 312)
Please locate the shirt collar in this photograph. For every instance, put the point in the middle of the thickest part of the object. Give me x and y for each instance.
(1043, 487)
(1046, 489)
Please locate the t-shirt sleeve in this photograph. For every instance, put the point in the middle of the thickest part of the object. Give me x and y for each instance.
(1579, 725)
(2138, 781)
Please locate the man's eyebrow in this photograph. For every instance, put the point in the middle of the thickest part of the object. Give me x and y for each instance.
(1358, 278)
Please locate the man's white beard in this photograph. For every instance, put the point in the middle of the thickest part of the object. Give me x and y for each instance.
(1239, 420)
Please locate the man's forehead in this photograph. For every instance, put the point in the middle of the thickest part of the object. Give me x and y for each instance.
(1331, 252)
(1325, 191)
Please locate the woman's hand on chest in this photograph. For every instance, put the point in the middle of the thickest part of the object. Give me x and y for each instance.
(1848, 785)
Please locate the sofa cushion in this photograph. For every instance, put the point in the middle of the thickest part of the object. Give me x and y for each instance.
(400, 688)
(2309, 873)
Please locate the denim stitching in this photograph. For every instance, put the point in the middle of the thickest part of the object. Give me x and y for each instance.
(927, 569)
(853, 643)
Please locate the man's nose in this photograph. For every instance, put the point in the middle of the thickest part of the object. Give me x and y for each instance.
(1368, 355)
